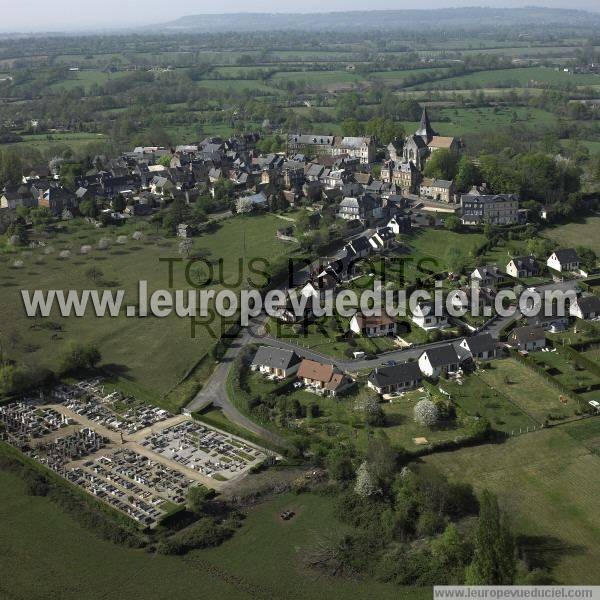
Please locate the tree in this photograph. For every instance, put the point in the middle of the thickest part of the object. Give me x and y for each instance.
(339, 464)
(426, 413)
(12, 379)
(165, 160)
(88, 208)
(118, 203)
(41, 217)
(365, 482)
(198, 498)
(467, 175)
(494, 561)
(80, 356)
(243, 205)
(452, 223)
(11, 168)
(442, 164)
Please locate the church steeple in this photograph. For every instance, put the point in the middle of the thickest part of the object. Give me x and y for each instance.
(425, 130)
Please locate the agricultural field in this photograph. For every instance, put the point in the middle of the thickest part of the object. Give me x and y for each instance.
(546, 482)
(131, 346)
(528, 390)
(243, 568)
(528, 77)
(571, 235)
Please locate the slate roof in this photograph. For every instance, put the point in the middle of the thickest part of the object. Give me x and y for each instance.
(482, 342)
(275, 358)
(442, 355)
(386, 376)
(567, 255)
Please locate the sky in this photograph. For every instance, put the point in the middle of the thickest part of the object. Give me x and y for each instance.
(68, 15)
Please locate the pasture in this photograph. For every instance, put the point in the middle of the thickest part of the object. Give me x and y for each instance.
(263, 560)
(547, 483)
(131, 347)
(571, 235)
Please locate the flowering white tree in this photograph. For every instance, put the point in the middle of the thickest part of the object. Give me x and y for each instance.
(185, 247)
(243, 205)
(365, 483)
(426, 413)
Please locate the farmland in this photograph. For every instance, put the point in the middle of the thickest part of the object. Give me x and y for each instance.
(546, 482)
(131, 345)
(571, 235)
(243, 568)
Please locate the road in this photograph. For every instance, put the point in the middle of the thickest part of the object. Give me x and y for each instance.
(215, 390)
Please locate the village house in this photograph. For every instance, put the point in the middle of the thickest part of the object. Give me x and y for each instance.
(494, 209)
(394, 379)
(523, 266)
(358, 248)
(322, 378)
(363, 208)
(373, 326)
(382, 239)
(481, 346)
(527, 338)
(424, 317)
(314, 145)
(440, 190)
(586, 307)
(437, 361)
(564, 260)
(276, 361)
(363, 148)
(488, 276)
(400, 224)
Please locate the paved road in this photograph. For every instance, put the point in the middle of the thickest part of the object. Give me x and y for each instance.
(215, 390)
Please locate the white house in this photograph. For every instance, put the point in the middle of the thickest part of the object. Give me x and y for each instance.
(373, 326)
(527, 338)
(586, 307)
(564, 260)
(276, 361)
(481, 346)
(434, 362)
(523, 266)
(423, 316)
(383, 238)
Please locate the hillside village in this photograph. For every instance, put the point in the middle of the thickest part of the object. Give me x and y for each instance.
(362, 205)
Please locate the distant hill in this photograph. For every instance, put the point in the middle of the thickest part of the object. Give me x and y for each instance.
(465, 18)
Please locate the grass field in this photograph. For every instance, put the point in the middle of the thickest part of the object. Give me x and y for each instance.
(528, 390)
(571, 235)
(476, 397)
(132, 347)
(547, 482)
(44, 142)
(47, 554)
(529, 76)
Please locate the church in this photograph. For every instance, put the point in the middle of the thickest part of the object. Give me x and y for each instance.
(406, 165)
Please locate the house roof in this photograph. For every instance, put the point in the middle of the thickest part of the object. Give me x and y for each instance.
(527, 333)
(311, 369)
(482, 342)
(442, 355)
(440, 141)
(589, 304)
(566, 255)
(275, 358)
(524, 262)
(385, 376)
(373, 320)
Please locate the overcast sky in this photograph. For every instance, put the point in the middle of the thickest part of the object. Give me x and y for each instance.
(60, 15)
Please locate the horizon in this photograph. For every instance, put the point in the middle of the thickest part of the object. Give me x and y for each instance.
(50, 18)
